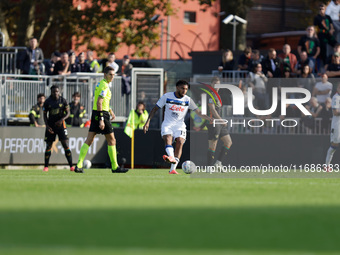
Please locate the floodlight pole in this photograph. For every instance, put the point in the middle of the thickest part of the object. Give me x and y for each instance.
(232, 20)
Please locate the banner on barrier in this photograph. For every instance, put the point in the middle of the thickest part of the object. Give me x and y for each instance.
(26, 145)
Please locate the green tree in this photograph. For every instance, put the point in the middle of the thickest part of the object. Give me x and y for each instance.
(124, 21)
(121, 21)
(20, 20)
(114, 22)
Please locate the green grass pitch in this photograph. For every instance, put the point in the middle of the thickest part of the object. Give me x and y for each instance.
(152, 212)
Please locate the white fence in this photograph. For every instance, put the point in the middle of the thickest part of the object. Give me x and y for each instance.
(8, 59)
(232, 77)
(18, 93)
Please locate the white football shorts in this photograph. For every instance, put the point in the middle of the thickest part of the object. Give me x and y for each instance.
(178, 130)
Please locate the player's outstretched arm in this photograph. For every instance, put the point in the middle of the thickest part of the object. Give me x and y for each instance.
(147, 123)
(203, 116)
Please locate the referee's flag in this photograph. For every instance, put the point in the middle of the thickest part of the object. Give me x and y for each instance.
(130, 125)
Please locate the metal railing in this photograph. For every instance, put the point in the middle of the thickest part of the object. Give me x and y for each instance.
(18, 93)
(232, 77)
(8, 59)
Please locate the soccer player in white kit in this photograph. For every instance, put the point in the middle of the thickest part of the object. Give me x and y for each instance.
(176, 106)
(335, 127)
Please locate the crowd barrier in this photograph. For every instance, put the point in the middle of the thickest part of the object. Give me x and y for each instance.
(232, 76)
(25, 146)
(8, 59)
(18, 93)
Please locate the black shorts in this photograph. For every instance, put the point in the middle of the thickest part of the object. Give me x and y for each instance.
(60, 131)
(95, 123)
(218, 131)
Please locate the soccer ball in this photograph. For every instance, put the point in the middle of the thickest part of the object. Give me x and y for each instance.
(87, 164)
(189, 167)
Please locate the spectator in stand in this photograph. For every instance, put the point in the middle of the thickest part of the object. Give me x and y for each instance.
(286, 81)
(74, 66)
(333, 70)
(306, 79)
(50, 65)
(257, 81)
(84, 67)
(77, 112)
(256, 58)
(314, 107)
(244, 59)
(311, 45)
(289, 59)
(63, 67)
(125, 72)
(323, 89)
(227, 62)
(36, 115)
(31, 60)
(304, 61)
(272, 68)
(329, 60)
(93, 63)
(326, 31)
(272, 65)
(333, 10)
(111, 62)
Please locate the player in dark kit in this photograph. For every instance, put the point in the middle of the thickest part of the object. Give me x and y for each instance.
(217, 132)
(55, 108)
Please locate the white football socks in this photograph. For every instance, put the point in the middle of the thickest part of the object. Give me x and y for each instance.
(169, 150)
(330, 154)
(173, 166)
